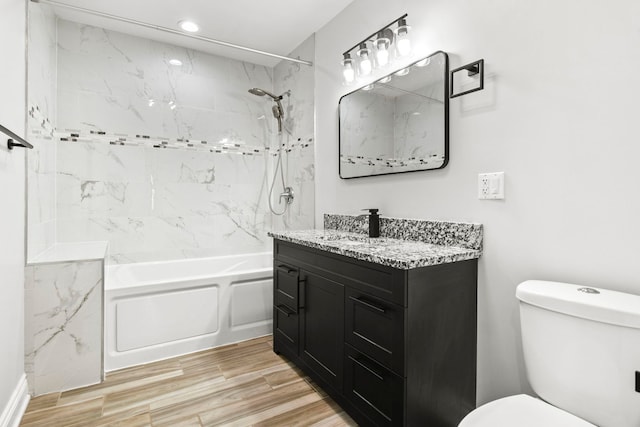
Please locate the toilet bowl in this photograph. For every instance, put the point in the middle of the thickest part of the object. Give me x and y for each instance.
(582, 356)
(521, 411)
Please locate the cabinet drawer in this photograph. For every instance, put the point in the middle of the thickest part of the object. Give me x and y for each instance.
(286, 285)
(375, 327)
(377, 392)
(285, 327)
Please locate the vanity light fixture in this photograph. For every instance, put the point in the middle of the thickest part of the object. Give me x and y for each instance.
(381, 43)
(189, 26)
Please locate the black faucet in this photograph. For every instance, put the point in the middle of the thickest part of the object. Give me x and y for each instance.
(374, 222)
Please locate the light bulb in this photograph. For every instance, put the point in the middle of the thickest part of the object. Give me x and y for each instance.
(382, 48)
(364, 65)
(348, 72)
(382, 56)
(404, 46)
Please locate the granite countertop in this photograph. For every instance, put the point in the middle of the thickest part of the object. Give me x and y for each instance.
(398, 253)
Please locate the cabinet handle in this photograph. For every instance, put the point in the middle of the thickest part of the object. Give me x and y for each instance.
(367, 368)
(285, 310)
(369, 304)
(286, 269)
(301, 284)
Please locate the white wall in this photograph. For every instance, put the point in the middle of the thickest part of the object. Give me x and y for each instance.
(559, 116)
(12, 195)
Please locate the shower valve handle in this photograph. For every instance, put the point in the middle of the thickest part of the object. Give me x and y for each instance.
(287, 195)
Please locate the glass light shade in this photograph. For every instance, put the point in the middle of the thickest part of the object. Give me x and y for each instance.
(348, 72)
(386, 79)
(402, 72)
(382, 50)
(364, 66)
(403, 41)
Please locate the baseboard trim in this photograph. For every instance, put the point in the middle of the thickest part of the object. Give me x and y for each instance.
(17, 404)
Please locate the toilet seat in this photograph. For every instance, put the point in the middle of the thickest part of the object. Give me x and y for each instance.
(522, 411)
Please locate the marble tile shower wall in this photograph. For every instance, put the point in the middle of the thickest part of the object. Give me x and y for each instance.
(156, 204)
(299, 112)
(41, 161)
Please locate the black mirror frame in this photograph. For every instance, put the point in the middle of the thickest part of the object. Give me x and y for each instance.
(446, 119)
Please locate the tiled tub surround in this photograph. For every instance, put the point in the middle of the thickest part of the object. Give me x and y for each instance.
(64, 317)
(154, 204)
(41, 161)
(403, 244)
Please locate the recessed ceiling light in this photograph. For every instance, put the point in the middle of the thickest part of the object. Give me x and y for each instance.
(175, 62)
(188, 26)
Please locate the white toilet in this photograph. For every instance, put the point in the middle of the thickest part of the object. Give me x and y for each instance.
(582, 354)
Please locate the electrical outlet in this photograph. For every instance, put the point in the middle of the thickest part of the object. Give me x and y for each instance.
(491, 185)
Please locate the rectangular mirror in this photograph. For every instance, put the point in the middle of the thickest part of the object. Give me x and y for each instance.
(399, 123)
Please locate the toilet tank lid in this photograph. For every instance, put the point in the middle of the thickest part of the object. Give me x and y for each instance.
(617, 308)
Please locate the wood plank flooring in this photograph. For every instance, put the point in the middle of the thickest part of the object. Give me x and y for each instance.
(243, 384)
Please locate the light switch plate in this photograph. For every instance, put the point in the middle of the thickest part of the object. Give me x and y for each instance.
(491, 186)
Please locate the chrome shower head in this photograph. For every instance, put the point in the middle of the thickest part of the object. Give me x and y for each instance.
(261, 92)
(278, 111)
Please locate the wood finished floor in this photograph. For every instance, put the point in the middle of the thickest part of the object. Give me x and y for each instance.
(243, 384)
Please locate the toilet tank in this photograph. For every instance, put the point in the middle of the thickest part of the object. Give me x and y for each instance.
(582, 350)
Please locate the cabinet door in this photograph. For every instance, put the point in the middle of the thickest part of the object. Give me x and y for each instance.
(322, 327)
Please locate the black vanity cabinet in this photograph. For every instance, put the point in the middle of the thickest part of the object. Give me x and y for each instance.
(393, 347)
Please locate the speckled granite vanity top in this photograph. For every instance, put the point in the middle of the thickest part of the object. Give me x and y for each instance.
(403, 243)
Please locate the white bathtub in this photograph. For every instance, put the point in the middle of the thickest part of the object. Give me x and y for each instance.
(157, 310)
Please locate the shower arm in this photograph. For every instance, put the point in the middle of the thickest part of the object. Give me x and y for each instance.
(170, 31)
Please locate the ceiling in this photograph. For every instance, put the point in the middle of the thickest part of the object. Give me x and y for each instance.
(276, 26)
